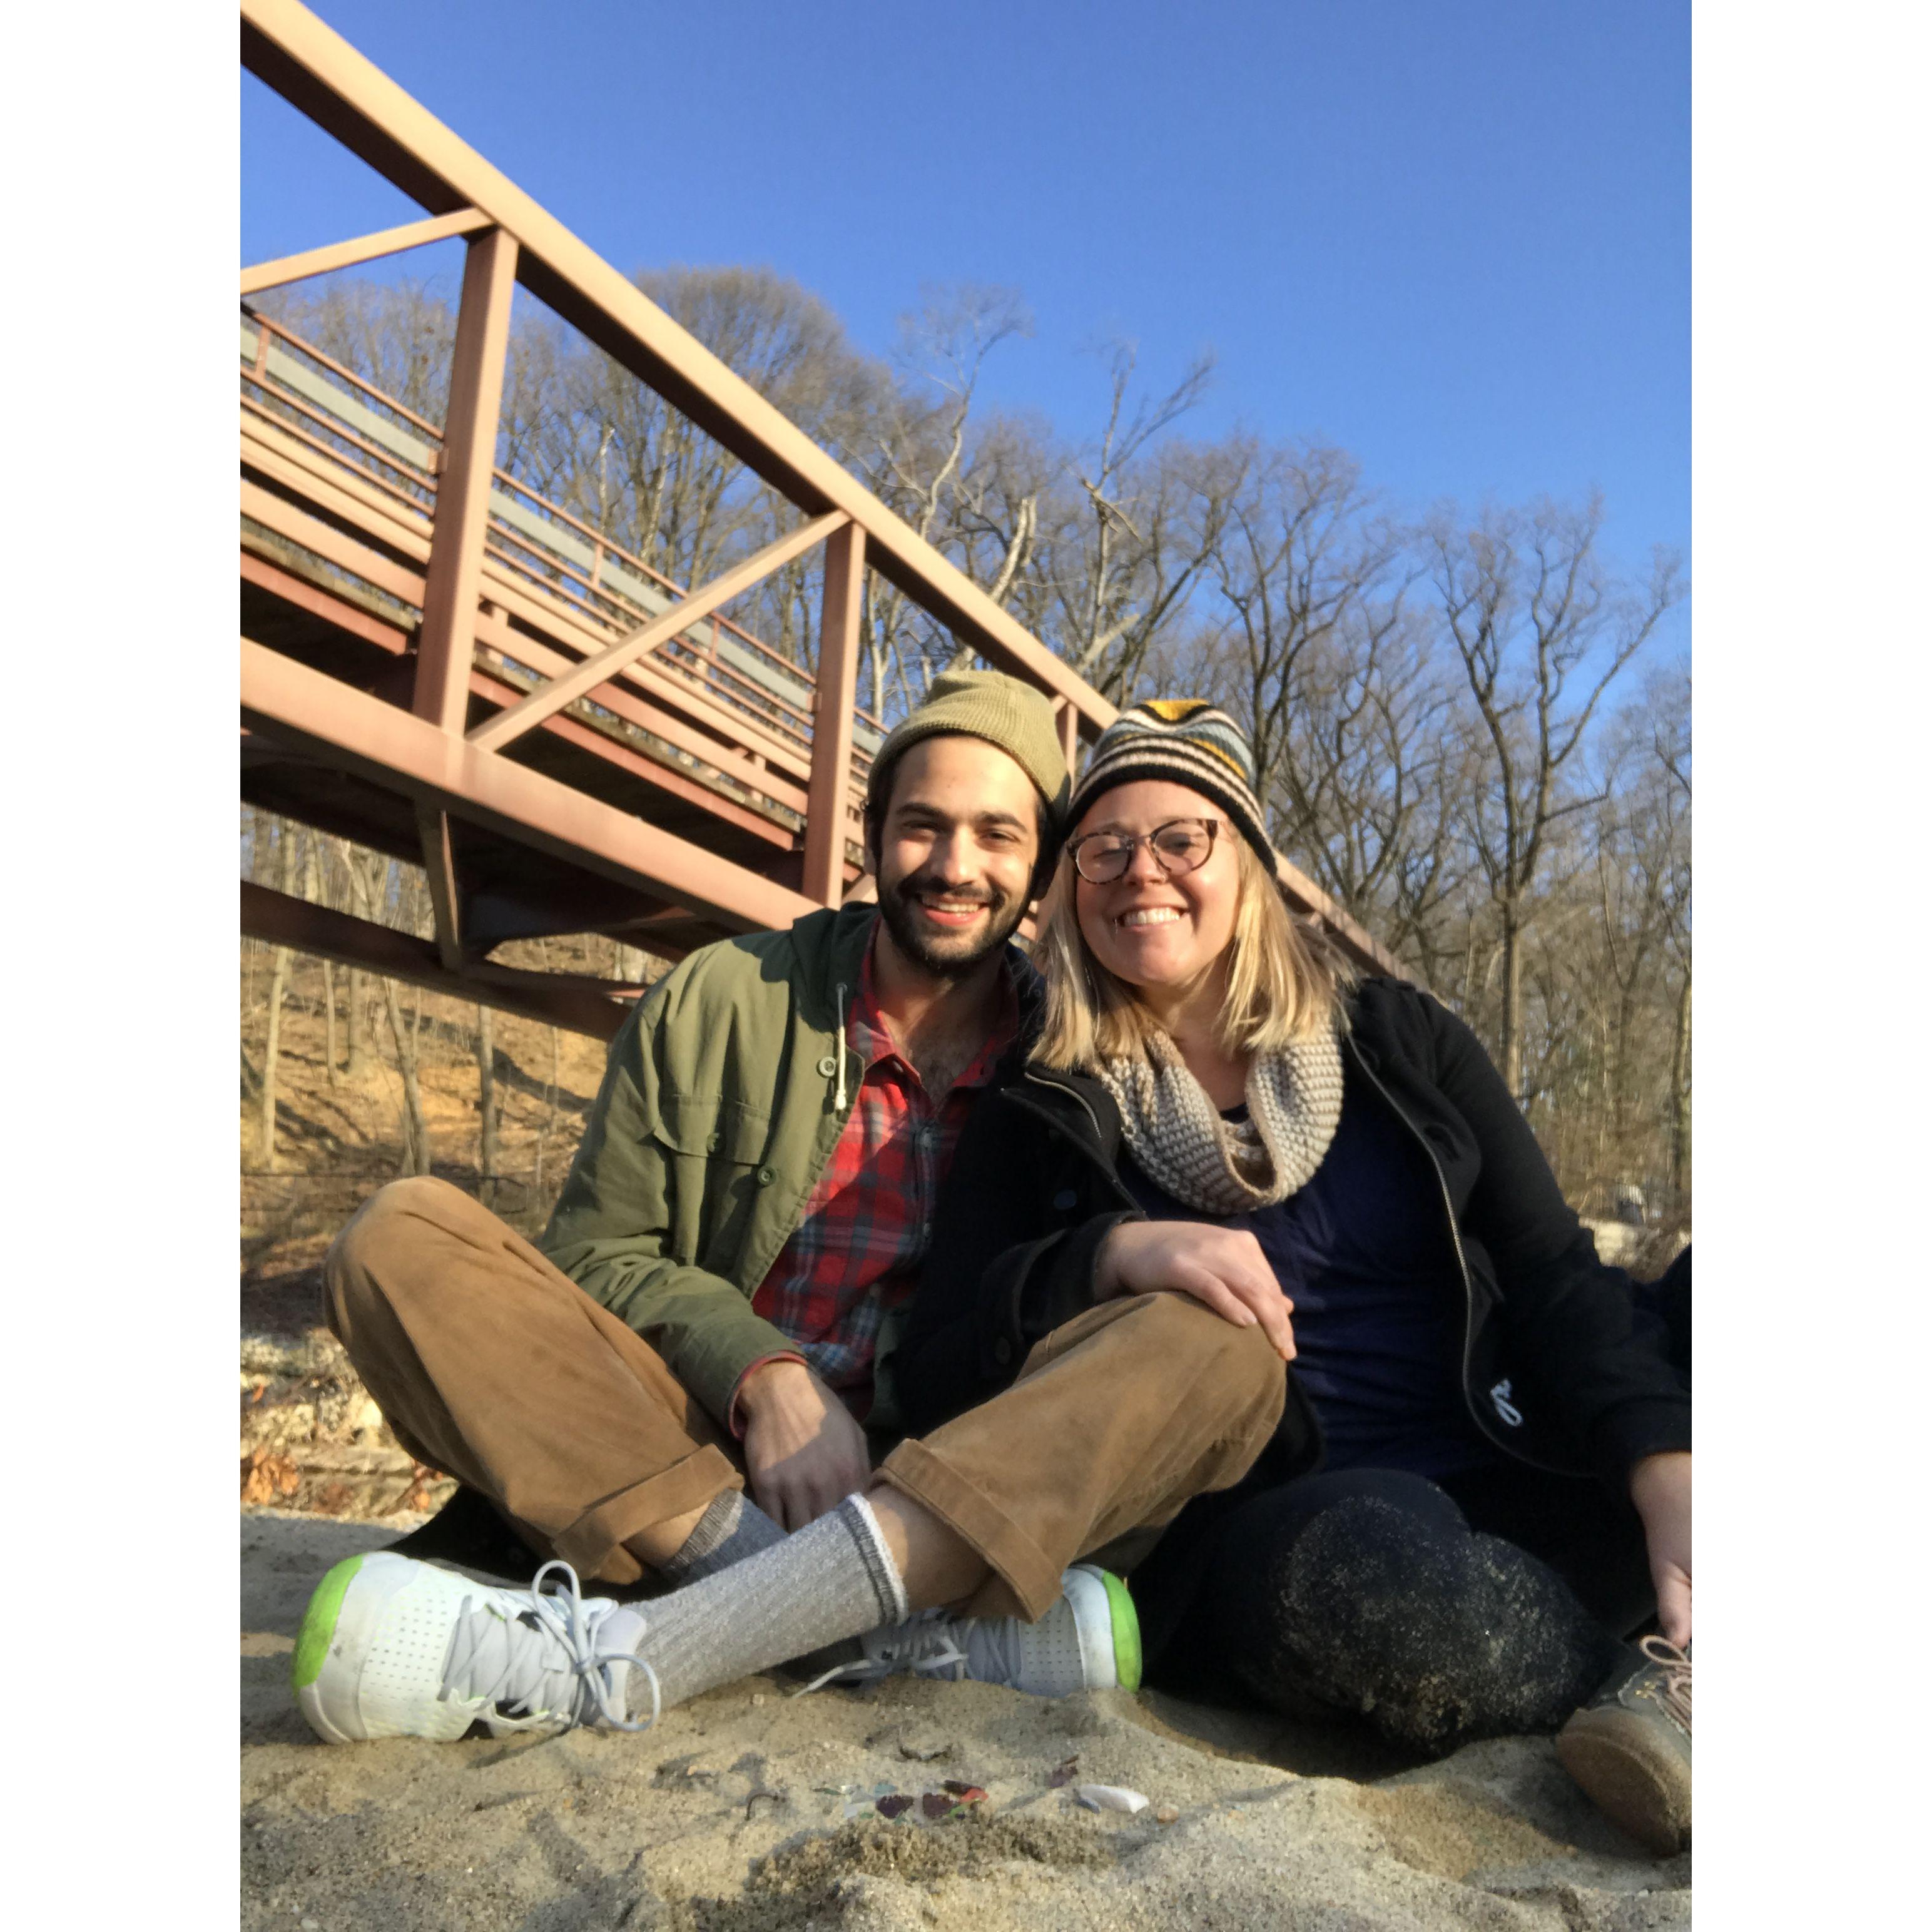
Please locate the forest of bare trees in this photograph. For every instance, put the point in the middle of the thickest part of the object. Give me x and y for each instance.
(1472, 726)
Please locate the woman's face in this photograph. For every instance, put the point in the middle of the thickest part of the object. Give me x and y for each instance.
(1157, 932)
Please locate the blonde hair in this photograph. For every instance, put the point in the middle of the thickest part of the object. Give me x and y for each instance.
(1286, 980)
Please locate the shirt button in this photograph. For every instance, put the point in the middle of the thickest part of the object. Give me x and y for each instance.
(827, 1067)
(1065, 1199)
(767, 1176)
(1003, 1352)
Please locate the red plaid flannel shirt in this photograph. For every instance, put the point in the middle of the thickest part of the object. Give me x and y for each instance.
(858, 1246)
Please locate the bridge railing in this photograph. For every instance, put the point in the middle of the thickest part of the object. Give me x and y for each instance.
(607, 588)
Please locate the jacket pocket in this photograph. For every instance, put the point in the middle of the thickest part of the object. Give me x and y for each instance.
(718, 1154)
(711, 1126)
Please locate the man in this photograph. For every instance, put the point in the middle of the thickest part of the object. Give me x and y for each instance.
(746, 1214)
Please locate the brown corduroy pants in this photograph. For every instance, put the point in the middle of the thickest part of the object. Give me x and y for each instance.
(491, 1365)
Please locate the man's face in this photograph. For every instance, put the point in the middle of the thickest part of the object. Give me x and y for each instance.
(957, 845)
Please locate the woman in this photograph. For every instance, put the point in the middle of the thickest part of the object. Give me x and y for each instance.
(1481, 1484)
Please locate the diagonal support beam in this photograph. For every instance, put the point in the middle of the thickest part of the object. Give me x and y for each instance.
(433, 828)
(364, 248)
(447, 644)
(494, 734)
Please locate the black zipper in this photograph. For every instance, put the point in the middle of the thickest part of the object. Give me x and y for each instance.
(1483, 1425)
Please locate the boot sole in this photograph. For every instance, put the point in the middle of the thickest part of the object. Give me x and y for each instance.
(1638, 1784)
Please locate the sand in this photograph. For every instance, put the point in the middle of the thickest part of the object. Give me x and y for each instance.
(752, 1809)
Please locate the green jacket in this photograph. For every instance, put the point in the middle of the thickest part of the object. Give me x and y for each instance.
(722, 1103)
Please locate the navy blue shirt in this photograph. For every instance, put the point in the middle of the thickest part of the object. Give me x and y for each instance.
(1363, 1251)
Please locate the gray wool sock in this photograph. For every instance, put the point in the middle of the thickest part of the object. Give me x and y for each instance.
(832, 1579)
(733, 1528)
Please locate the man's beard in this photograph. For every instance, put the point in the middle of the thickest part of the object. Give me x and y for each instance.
(924, 948)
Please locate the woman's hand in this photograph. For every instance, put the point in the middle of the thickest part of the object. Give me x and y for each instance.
(1660, 1485)
(803, 1452)
(1223, 1267)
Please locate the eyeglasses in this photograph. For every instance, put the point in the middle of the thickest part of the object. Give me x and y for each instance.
(1181, 845)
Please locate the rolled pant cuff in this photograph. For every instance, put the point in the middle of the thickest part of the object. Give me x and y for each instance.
(593, 1545)
(1025, 1582)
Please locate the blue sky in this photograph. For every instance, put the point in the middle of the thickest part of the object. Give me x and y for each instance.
(1453, 238)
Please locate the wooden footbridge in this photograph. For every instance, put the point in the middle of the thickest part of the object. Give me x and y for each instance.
(440, 664)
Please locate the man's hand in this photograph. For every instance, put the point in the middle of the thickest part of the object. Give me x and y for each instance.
(1223, 1267)
(803, 1452)
(1660, 1485)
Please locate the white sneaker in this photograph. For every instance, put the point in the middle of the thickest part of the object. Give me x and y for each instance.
(392, 1647)
(1089, 1640)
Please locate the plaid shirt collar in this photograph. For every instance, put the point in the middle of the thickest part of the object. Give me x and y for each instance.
(869, 1033)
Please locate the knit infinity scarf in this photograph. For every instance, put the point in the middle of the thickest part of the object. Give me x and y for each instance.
(1224, 1167)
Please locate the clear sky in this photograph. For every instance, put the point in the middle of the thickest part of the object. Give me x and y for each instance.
(1451, 235)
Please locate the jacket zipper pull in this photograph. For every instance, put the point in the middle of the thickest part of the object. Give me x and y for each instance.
(838, 1096)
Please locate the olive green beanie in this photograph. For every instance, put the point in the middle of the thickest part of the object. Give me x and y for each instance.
(990, 705)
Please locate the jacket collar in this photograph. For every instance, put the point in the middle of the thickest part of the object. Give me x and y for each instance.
(828, 950)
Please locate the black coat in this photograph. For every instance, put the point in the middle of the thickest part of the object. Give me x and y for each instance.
(1560, 1369)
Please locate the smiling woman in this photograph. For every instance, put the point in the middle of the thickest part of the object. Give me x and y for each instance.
(1480, 1488)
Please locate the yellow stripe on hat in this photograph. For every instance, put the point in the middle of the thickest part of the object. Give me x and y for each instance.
(1233, 763)
(1175, 710)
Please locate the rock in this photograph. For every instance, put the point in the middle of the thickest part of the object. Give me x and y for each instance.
(925, 1747)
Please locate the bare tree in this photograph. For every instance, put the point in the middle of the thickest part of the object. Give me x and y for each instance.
(918, 459)
(1530, 606)
(489, 1109)
(416, 1156)
(278, 980)
(1126, 561)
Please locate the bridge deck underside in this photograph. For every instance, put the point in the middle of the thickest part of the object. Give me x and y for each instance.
(510, 889)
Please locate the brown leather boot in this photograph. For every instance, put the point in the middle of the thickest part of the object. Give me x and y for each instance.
(1630, 1748)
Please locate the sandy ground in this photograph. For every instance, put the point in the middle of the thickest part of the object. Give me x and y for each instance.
(754, 1810)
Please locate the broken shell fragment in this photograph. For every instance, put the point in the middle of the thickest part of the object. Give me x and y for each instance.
(1109, 1797)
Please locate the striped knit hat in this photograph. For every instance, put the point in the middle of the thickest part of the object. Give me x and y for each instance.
(1186, 741)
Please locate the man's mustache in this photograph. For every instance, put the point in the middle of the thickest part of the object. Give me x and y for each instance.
(920, 884)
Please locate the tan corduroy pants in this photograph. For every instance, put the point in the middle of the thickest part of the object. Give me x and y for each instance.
(493, 1366)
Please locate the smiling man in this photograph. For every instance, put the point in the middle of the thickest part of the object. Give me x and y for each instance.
(686, 1381)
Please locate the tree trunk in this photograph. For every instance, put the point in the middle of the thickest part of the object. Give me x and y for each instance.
(329, 1015)
(550, 1115)
(1680, 1097)
(486, 1082)
(415, 1129)
(1510, 1038)
(272, 1049)
(362, 902)
(271, 1045)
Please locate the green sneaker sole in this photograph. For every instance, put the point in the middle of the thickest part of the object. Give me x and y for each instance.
(1127, 1624)
(318, 1623)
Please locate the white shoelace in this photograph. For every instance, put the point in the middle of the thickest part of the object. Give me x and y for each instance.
(539, 1652)
(923, 1645)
